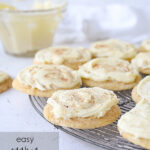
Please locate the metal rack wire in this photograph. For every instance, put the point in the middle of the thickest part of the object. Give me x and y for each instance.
(106, 137)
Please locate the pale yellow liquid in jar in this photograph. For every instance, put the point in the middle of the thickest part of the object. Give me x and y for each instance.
(25, 33)
(4, 6)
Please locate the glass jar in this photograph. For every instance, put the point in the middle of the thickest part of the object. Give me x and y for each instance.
(24, 32)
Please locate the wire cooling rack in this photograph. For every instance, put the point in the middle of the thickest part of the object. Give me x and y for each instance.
(106, 137)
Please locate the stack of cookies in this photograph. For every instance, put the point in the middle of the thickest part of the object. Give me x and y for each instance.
(79, 84)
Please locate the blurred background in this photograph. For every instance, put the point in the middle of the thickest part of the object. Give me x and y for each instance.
(89, 20)
(25, 32)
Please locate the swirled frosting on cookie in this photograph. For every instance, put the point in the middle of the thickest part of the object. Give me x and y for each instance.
(45, 77)
(142, 61)
(143, 88)
(145, 46)
(104, 69)
(84, 102)
(3, 76)
(137, 121)
(58, 55)
(113, 47)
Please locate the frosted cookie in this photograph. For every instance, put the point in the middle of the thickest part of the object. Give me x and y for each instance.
(145, 46)
(71, 57)
(142, 90)
(43, 80)
(115, 48)
(83, 108)
(142, 62)
(109, 73)
(5, 81)
(135, 124)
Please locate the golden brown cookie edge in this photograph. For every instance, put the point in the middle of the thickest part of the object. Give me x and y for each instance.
(111, 85)
(5, 85)
(83, 123)
(138, 141)
(36, 92)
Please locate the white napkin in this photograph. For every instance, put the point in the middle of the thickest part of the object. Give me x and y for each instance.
(84, 24)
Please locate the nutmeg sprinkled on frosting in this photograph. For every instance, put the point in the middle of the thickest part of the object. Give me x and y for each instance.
(60, 54)
(45, 77)
(103, 69)
(84, 102)
(113, 47)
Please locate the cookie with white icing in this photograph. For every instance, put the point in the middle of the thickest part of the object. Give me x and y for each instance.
(113, 48)
(43, 80)
(62, 55)
(145, 46)
(109, 73)
(83, 108)
(5, 81)
(142, 62)
(135, 124)
(142, 90)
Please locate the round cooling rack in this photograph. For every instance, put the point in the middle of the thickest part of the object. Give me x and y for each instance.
(106, 137)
